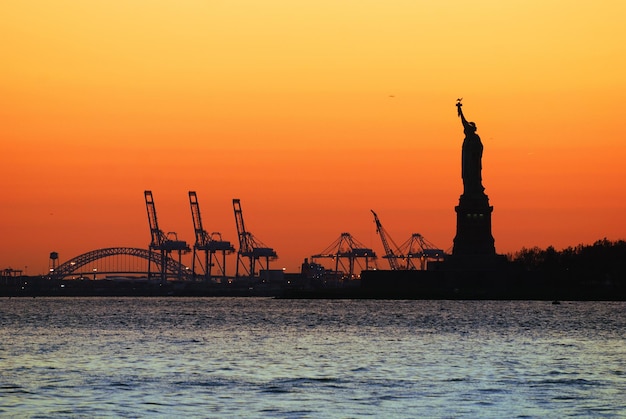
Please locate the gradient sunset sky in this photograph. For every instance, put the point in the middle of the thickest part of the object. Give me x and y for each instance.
(310, 112)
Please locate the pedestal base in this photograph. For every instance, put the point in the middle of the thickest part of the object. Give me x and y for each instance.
(473, 227)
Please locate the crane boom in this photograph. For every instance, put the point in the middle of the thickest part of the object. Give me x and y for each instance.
(201, 235)
(249, 246)
(391, 257)
(244, 237)
(160, 241)
(157, 236)
(206, 243)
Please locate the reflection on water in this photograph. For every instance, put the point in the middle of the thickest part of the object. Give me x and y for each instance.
(256, 357)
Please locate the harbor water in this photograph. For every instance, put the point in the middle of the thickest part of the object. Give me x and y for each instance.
(264, 357)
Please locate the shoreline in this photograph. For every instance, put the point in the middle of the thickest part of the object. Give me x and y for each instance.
(388, 285)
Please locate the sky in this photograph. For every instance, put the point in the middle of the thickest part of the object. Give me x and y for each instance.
(312, 113)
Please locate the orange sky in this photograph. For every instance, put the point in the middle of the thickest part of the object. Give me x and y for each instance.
(312, 113)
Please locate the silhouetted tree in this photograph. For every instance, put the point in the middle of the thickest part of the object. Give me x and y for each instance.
(604, 262)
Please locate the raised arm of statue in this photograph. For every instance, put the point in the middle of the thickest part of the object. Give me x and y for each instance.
(459, 106)
(463, 120)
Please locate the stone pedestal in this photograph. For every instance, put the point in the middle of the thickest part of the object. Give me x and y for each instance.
(473, 228)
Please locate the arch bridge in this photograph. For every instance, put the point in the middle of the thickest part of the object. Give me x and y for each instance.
(122, 260)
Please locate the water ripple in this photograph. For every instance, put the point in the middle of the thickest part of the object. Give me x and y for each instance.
(255, 357)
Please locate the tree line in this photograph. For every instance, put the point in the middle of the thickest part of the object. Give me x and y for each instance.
(601, 262)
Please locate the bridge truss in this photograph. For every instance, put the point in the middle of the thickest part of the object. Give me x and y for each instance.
(120, 260)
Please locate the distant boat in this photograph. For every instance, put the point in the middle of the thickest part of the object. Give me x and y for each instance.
(556, 302)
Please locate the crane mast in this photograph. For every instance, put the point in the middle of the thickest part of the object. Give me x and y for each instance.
(206, 243)
(249, 246)
(391, 257)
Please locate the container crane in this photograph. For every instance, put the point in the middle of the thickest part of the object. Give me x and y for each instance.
(347, 248)
(249, 246)
(391, 256)
(208, 244)
(418, 248)
(161, 241)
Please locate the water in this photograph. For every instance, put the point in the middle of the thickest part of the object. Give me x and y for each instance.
(259, 357)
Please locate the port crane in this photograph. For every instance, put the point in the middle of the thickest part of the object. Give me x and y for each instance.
(208, 244)
(249, 246)
(347, 248)
(164, 243)
(391, 256)
(420, 249)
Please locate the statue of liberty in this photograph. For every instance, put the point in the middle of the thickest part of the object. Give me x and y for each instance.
(471, 157)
